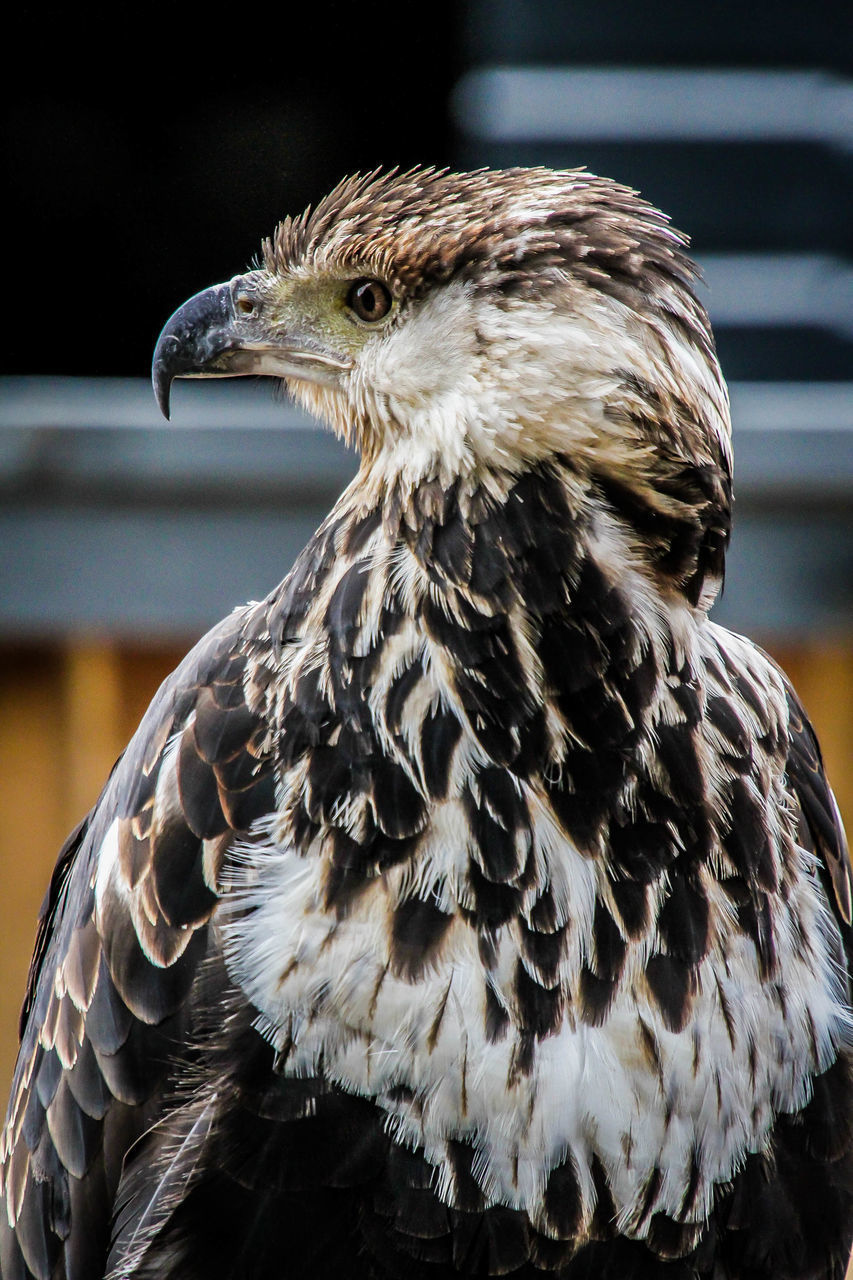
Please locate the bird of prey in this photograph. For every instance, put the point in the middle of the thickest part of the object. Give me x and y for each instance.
(472, 905)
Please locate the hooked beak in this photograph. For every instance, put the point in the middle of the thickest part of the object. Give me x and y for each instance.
(220, 333)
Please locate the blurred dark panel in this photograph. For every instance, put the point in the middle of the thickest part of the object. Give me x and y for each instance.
(662, 31)
(144, 168)
(768, 354)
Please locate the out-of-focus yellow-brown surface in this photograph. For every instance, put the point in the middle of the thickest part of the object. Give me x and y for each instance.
(66, 712)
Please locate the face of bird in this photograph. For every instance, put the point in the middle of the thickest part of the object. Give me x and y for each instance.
(341, 341)
(378, 367)
(260, 324)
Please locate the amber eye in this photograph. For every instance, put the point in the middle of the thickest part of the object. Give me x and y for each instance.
(370, 300)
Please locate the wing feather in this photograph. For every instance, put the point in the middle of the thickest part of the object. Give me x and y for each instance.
(122, 932)
(821, 827)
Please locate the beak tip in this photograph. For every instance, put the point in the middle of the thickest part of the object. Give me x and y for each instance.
(163, 371)
(162, 383)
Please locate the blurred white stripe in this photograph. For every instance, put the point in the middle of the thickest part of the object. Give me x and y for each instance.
(552, 104)
(779, 289)
(792, 406)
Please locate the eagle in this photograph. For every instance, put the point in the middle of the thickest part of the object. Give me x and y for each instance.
(472, 905)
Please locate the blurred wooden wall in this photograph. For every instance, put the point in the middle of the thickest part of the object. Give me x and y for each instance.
(66, 712)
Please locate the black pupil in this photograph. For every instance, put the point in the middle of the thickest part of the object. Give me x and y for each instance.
(367, 298)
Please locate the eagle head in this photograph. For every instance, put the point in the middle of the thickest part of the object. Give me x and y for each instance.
(461, 328)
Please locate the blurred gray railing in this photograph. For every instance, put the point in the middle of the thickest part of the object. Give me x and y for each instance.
(114, 521)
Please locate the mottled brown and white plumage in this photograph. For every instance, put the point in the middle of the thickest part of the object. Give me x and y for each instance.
(472, 905)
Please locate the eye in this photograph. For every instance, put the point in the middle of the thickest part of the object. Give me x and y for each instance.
(370, 300)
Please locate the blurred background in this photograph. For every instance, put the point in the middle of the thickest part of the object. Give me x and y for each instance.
(140, 174)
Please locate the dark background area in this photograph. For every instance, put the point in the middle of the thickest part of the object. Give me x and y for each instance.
(148, 149)
(144, 169)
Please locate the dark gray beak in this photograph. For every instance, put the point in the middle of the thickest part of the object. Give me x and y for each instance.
(196, 342)
(222, 333)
